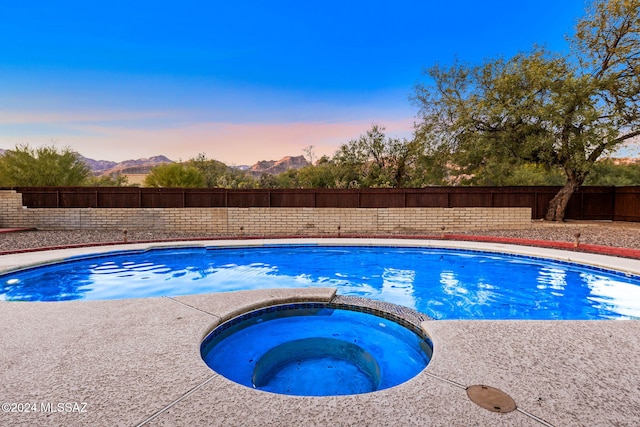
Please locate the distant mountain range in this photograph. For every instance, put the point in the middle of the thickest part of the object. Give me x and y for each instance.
(275, 167)
(137, 166)
(143, 166)
(269, 167)
(107, 167)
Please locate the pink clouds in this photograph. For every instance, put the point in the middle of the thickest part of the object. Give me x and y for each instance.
(120, 136)
(273, 141)
(8, 117)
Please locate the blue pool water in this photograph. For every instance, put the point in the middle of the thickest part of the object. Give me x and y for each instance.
(442, 283)
(314, 350)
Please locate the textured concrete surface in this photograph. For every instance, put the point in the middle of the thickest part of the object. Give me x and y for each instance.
(124, 359)
(137, 362)
(569, 373)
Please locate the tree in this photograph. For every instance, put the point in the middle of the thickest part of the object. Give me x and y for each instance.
(310, 153)
(539, 107)
(323, 174)
(174, 175)
(218, 174)
(236, 178)
(607, 172)
(212, 170)
(117, 180)
(43, 166)
(268, 181)
(373, 160)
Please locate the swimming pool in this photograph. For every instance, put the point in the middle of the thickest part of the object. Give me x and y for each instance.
(442, 283)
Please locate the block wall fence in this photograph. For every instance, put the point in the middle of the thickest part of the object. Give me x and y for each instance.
(261, 221)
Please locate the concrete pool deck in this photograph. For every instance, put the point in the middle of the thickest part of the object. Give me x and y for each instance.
(137, 361)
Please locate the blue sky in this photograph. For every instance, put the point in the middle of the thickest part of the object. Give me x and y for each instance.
(241, 81)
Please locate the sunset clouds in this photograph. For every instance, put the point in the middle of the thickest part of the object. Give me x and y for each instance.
(239, 81)
(120, 136)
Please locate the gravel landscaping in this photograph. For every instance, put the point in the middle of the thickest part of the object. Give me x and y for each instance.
(616, 234)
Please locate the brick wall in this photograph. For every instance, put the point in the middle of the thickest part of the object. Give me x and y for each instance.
(262, 221)
(12, 214)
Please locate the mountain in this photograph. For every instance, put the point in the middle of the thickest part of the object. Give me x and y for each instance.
(275, 167)
(97, 166)
(625, 160)
(137, 166)
(143, 166)
(108, 167)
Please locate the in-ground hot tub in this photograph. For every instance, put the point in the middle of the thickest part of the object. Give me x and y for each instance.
(315, 349)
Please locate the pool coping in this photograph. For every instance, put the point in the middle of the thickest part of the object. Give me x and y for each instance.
(566, 246)
(404, 317)
(136, 362)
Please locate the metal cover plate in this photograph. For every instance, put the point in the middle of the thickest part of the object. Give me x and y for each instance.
(491, 398)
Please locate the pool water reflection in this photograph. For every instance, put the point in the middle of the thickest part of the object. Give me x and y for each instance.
(442, 283)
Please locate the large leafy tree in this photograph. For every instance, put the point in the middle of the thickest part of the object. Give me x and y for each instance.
(558, 111)
(44, 166)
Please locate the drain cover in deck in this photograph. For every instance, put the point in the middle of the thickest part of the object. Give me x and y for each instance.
(491, 398)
